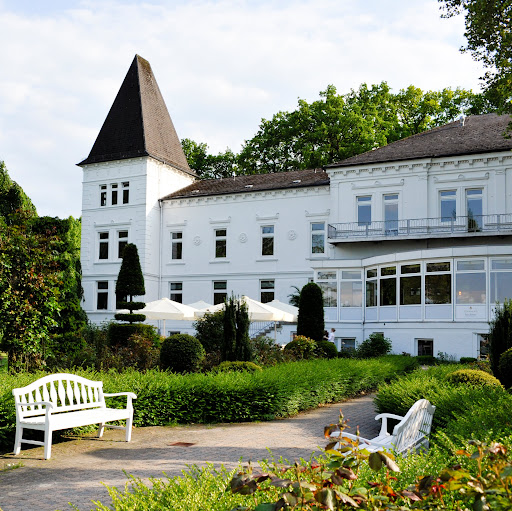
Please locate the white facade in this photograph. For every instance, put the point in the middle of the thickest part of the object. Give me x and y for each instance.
(416, 247)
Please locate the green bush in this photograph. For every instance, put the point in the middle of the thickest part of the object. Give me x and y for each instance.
(210, 331)
(181, 353)
(119, 333)
(375, 346)
(266, 351)
(301, 348)
(467, 360)
(326, 349)
(505, 368)
(426, 360)
(473, 377)
(238, 366)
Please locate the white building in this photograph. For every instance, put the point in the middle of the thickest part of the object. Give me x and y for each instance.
(412, 239)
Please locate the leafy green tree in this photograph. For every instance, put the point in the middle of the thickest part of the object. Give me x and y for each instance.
(130, 283)
(310, 321)
(489, 40)
(13, 198)
(209, 166)
(29, 293)
(210, 331)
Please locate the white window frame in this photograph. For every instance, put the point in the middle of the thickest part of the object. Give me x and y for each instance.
(102, 291)
(105, 241)
(317, 232)
(178, 290)
(269, 235)
(175, 241)
(366, 200)
(267, 289)
(220, 238)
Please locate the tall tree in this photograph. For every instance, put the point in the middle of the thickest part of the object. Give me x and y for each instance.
(489, 40)
(209, 166)
(236, 343)
(130, 283)
(29, 277)
(310, 321)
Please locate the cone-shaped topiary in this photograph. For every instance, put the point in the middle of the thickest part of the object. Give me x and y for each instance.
(500, 335)
(130, 283)
(505, 367)
(310, 322)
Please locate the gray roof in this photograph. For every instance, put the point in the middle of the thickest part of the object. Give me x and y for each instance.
(253, 183)
(138, 123)
(478, 134)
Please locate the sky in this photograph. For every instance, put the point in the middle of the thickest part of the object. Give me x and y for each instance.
(222, 66)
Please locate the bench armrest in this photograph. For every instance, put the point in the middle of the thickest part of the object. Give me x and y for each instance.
(47, 404)
(128, 394)
(384, 417)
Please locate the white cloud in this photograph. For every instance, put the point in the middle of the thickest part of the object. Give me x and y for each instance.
(221, 65)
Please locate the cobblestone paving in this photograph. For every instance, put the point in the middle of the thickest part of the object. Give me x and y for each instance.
(78, 467)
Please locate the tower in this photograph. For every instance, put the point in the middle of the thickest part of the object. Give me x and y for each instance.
(136, 159)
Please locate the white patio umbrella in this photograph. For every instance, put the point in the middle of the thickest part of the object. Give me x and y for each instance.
(201, 304)
(286, 307)
(257, 311)
(167, 309)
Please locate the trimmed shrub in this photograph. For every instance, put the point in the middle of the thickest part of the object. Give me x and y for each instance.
(119, 333)
(310, 321)
(375, 346)
(326, 349)
(181, 353)
(237, 366)
(473, 377)
(301, 348)
(505, 368)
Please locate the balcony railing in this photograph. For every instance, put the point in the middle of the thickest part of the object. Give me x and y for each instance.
(421, 228)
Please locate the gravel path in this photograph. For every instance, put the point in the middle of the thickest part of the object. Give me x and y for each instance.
(78, 467)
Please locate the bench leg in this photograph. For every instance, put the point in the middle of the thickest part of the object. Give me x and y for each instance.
(48, 433)
(101, 429)
(129, 423)
(17, 440)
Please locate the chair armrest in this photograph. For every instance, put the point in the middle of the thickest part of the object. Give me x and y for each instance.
(384, 417)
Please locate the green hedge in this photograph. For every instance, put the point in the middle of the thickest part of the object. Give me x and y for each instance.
(280, 391)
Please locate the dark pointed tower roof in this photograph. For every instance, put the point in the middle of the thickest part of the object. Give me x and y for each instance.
(138, 123)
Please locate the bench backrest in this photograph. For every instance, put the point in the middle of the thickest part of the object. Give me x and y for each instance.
(414, 427)
(66, 392)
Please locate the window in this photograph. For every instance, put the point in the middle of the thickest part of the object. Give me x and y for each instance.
(220, 242)
(438, 283)
(103, 245)
(483, 346)
(371, 288)
(474, 208)
(448, 199)
(102, 295)
(219, 291)
(329, 287)
(348, 343)
(470, 282)
(391, 213)
(267, 288)
(425, 347)
(501, 280)
(364, 210)
(126, 192)
(177, 245)
(103, 195)
(122, 241)
(113, 188)
(177, 292)
(267, 240)
(351, 289)
(318, 238)
(388, 286)
(410, 284)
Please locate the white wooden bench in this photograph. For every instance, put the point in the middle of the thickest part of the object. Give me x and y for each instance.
(62, 401)
(411, 433)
